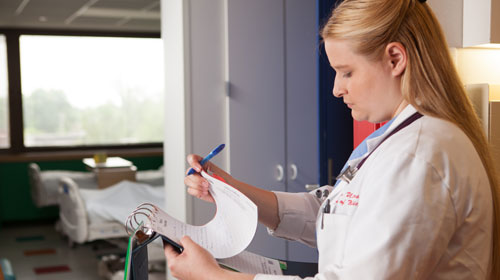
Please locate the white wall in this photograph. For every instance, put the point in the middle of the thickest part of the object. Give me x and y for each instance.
(477, 65)
(450, 15)
(195, 102)
(467, 22)
(194, 44)
(208, 92)
(176, 143)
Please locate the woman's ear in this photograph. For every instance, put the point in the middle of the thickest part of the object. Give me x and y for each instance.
(395, 54)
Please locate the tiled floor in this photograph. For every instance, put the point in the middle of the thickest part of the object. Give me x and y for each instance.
(40, 252)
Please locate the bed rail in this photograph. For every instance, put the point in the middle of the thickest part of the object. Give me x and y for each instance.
(72, 211)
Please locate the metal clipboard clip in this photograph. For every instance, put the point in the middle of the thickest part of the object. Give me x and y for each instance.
(141, 228)
(132, 222)
(347, 174)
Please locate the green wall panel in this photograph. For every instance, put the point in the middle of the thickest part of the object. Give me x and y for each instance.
(15, 197)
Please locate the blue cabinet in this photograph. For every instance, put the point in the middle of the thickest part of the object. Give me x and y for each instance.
(273, 106)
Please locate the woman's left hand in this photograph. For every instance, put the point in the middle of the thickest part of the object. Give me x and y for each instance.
(193, 263)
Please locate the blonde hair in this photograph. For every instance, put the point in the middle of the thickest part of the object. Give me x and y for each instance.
(430, 82)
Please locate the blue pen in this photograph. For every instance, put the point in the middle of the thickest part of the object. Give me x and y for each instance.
(208, 157)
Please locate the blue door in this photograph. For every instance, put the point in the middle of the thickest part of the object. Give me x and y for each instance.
(335, 121)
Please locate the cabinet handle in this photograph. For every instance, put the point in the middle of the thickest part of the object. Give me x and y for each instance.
(311, 187)
(280, 173)
(294, 171)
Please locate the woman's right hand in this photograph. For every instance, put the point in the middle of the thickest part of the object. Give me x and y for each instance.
(197, 185)
(265, 200)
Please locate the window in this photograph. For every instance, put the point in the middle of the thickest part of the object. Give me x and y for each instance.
(81, 90)
(4, 101)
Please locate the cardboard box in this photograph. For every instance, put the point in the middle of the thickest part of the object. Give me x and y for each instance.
(110, 176)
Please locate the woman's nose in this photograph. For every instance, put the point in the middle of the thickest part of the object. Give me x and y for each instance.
(338, 87)
(338, 91)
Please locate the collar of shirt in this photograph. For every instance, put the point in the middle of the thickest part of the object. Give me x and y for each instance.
(371, 142)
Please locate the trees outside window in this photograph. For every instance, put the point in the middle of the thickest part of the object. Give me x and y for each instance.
(79, 90)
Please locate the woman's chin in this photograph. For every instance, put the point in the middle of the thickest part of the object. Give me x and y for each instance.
(357, 116)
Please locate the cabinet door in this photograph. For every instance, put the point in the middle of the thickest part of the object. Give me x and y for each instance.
(257, 102)
(302, 107)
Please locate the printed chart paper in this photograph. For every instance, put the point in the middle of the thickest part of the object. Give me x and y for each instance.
(227, 234)
(248, 262)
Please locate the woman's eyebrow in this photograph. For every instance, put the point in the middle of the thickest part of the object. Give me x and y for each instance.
(339, 67)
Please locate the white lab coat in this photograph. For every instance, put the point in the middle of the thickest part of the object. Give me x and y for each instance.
(419, 208)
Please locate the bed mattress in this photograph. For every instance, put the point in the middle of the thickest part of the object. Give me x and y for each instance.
(116, 202)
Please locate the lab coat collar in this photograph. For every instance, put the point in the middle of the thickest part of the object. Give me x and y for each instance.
(372, 143)
(401, 117)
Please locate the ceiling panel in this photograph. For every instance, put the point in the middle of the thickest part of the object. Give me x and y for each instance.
(145, 23)
(56, 13)
(52, 10)
(125, 4)
(7, 11)
(8, 6)
(58, 5)
(156, 8)
(88, 21)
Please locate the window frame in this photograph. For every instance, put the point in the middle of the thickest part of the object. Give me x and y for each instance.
(16, 121)
(8, 90)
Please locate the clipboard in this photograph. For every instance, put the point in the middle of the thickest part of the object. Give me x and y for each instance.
(136, 260)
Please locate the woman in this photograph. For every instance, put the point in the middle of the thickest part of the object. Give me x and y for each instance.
(422, 201)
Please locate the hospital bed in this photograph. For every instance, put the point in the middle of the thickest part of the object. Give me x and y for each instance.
(153, 177)
(91, 214)
(44, 184)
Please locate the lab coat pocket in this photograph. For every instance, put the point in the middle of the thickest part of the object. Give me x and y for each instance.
(331, 240)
